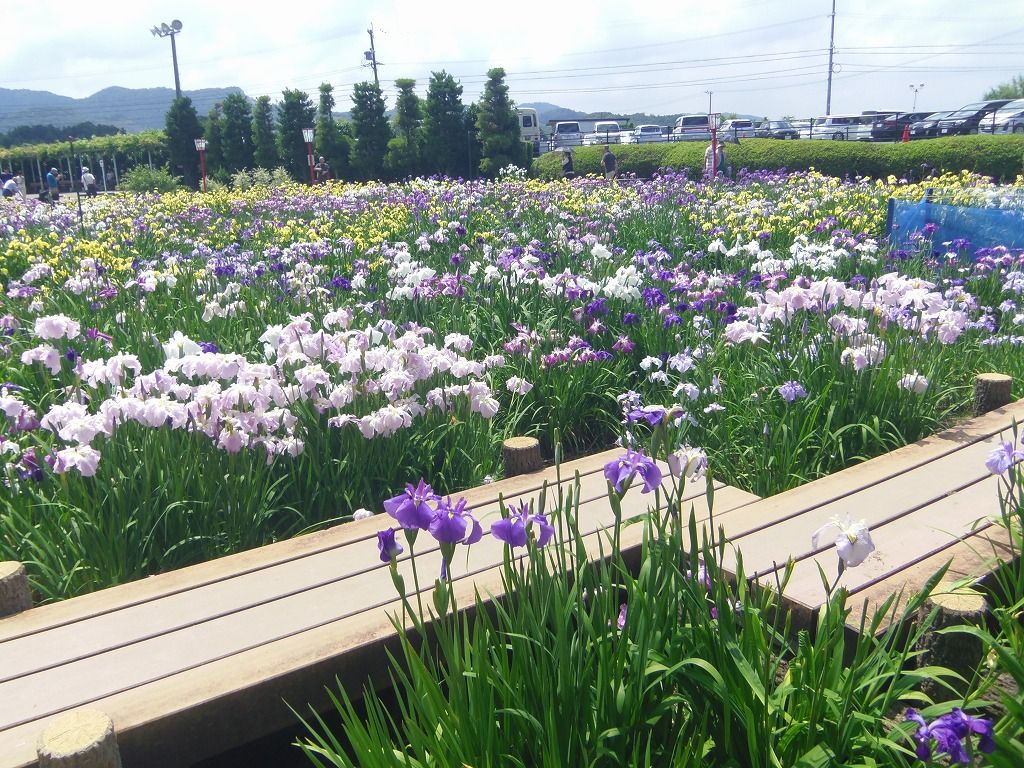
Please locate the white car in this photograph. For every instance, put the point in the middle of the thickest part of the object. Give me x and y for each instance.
(567, 134)
(844, 127)
(605, 132)
(1009, 118)
(692, 128)
(737, 129)
(644, 134)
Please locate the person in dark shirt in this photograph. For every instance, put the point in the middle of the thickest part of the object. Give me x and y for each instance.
(609, 163)
(568, 171)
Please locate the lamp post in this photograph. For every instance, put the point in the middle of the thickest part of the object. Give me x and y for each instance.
(201, 149)
(709, 93)
(307, 136)
(170, 30)
(915, 89)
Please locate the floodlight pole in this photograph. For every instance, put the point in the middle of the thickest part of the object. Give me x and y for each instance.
(170, 30)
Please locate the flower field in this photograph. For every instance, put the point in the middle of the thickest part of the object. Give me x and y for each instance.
(186, 375)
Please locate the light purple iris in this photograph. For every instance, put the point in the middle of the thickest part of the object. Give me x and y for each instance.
(1003, 457)
(620, 470)
(514, 529)
(412, 509)
(792, 390)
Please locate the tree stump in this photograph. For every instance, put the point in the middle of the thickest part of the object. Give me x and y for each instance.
(83, 738)
(521, 455)
(991, 391)
(961, 653)
(15, 593)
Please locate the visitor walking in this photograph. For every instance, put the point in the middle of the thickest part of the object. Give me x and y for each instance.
(714, 160)
(609, 164)
(53, 179)
(88, 182)
(568, 172)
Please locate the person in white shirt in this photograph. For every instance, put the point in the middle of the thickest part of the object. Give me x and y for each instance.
(88, 182)
(11, 188)
(714, 166)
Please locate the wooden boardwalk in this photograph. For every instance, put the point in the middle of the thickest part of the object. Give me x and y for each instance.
(196, 661)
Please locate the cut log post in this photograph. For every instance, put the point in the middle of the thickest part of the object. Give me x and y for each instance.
(960, 652)
(991, 391)
(83, 738)
(15, 593)
(521, 455)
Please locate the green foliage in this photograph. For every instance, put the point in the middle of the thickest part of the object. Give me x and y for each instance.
(265, 153)
(401, 159)
(444, 130)
(1001, 157)
(142, 178)
(182, 130)
(39, 134)
(498, 125)
(1014, 89)
(330, 141)
(295, 113)
(371, 129)
(213, 130)
(237, 133)
(408, 119)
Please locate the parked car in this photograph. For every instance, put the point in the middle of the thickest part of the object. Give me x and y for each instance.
(1009, 118)
(776, 129)
(692, 128)
(929, 126)
(605, 132)
(738, 129)
(645, 134)
(843, 127)
(567, 134)
(890, 127)
(966, 119)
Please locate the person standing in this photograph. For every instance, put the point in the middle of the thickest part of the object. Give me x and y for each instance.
(53, 184)
(609, 164)
(111, 180)
(88, 182)
(714, 159)
(568, 172)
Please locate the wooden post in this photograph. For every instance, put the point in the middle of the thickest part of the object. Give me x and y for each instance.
(83, 738)
(521, 455)
(991, 391)
(15, 593)
(961, 653)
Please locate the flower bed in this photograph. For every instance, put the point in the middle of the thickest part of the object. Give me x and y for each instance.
(191, 375)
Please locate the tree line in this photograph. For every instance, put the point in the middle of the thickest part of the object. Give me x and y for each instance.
(44, 134)
(437, 134)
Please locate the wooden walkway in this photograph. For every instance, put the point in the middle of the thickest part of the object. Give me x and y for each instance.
(197, 661)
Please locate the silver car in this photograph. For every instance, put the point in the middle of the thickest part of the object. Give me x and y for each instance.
(1007, 119)
(737, 129)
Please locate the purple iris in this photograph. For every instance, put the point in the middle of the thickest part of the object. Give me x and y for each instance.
(792, 390)
(652, 414)
(388, 546)
(453, 524)
(513, 530)
(412, 508)
(949, 732)
(622, 469)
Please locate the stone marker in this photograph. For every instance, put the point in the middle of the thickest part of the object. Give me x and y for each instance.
(991, 391)
(83, 738)
(521, 455)
(15, 593)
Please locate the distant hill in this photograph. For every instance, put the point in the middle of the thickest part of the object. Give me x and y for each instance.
(134, 109)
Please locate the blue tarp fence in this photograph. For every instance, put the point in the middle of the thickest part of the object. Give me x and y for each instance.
(986, 221)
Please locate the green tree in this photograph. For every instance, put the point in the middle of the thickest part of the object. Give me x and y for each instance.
(263, 144)
(213, 130)
(330, 140)
(403, 155)
(498, 125)
(472, 148)
(294, 113)
(237, 136)
(371, 129)
(1014, 89)
(444, 129)
(182, 129)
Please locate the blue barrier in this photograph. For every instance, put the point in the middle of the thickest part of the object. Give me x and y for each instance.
(999, 222)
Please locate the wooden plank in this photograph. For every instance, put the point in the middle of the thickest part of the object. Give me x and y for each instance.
(199, 696)
(768, 543)
(162, 585)
(970, 558)
(905, 539)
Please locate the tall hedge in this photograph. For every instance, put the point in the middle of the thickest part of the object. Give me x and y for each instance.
(1001, 157)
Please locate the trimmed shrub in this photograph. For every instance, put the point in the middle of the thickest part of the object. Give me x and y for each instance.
(1001, 157)
(142, 178)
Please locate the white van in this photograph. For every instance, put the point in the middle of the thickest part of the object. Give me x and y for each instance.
(844, 127)
(692, 128)
(567, 134)
(529, 128)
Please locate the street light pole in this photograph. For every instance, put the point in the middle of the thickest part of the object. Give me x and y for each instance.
(170, 30)
(201, 148)
(307, 135)
(915, 89)
(709, 102)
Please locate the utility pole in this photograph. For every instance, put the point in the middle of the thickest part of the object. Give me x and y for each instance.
(371, 56)
(831, 53)
(709, 93)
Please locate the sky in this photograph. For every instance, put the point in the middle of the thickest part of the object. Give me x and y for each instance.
(760, 57)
